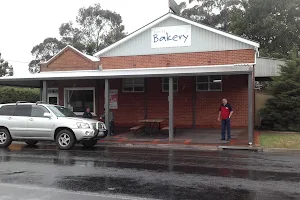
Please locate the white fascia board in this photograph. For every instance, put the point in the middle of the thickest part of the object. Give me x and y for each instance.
(139, 72)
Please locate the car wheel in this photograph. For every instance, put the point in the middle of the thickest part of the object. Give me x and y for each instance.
(89, 143)
(65, 140)
(5, 138)
(31, 142)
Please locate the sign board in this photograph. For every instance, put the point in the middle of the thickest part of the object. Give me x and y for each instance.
(174, 7)
(113, 99)
(171, 36)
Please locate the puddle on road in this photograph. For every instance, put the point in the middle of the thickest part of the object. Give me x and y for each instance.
(127, 186)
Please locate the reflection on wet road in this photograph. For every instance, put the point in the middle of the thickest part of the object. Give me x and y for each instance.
(127, 173)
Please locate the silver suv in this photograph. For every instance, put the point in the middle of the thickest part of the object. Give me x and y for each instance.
(33, 122)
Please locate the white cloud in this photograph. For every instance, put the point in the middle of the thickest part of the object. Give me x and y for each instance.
(27, 23)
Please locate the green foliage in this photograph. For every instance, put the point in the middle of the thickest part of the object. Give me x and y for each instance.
(282, 111)
(13, 94)
(5, 68)
(275, 24)
(94, 30)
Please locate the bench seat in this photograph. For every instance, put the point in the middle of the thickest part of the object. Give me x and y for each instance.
(135, 129)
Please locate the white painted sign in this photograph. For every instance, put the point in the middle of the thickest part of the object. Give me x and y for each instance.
(171, 36)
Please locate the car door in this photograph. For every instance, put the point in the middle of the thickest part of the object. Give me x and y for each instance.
(7, 118)
(38, 125)
(20, 119)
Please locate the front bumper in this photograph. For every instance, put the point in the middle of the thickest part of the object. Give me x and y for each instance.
(87, 134)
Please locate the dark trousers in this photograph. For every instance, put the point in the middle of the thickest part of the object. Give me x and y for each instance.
(112, 127)
(225, 126)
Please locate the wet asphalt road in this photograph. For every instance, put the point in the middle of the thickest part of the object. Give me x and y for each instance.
(124, 173)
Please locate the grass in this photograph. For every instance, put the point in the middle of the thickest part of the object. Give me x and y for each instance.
(280, 140)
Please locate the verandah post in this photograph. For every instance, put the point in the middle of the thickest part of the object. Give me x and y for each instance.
(44, 91)
(171, 110)
(250, 108)
(106, 105)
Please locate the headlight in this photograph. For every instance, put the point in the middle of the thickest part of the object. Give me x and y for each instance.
(83, 125)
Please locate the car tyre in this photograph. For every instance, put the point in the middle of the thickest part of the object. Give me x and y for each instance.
(89, 143)
(65, 140)
(31, 142)
(5, 138)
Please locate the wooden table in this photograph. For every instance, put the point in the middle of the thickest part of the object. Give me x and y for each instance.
(152, 123)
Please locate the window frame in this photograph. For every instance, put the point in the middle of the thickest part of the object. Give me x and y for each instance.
(40, 107)
(66, 90)
(133, 85)
(167, 83)
(208, 84)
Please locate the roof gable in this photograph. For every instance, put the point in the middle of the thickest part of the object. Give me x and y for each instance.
(182, 20)
(69, 47)
(70, 58)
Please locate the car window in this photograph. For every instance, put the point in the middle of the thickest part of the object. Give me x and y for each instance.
(38, 111)
(8, 110)
(60, 111)
(23, 110)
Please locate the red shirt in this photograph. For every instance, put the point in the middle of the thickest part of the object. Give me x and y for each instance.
(225, 110)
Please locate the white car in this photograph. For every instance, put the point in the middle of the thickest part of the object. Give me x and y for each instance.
(33, 122)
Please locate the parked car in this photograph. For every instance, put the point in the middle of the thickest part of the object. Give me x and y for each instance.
(33, 122)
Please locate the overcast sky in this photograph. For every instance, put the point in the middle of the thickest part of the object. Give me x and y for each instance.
(25, 23)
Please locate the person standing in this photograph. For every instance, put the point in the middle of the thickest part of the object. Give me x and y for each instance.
(87, 113)
(111, 121)
(225, 113)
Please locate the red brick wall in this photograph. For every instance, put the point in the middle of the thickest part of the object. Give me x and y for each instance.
(132, 106)
(70, 60)
(180, 59)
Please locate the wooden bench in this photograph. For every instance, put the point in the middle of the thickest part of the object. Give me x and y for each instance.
(167, 129)
(137, 128)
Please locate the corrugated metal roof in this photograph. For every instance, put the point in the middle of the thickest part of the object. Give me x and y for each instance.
(268, 67)
(139, 72)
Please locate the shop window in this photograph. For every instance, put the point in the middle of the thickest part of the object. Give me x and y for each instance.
(78, 99)
(133, 85)
(165, 84)
(209, 83)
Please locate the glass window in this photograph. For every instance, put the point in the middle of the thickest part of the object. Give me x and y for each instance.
(133, 85)
(209, 83)
(79, 100)
(8, 110)
(38, 111)
(165, 84)
(23, 110)
(61, 111)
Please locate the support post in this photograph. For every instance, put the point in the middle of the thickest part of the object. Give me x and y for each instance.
(250, 108)
(106, 105)
(44, 91)
(171, 109)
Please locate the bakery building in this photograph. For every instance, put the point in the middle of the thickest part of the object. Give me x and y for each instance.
(172, 68)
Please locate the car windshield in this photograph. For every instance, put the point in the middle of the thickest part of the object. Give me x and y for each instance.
(60, 111)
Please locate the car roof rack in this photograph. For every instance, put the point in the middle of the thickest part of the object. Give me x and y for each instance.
(41, 102)
(21, 102)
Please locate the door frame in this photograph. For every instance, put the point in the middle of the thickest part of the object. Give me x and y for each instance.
(53, 95)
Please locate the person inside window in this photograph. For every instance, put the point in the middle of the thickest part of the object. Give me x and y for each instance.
(87, 113)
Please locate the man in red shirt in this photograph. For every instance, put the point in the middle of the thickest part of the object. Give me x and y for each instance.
(225, 113)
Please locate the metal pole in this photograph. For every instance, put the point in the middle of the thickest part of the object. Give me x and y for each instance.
(45, 91)
(250, 108)
(106, 102)
(171, 111)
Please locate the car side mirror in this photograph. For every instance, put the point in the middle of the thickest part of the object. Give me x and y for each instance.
(48, 115)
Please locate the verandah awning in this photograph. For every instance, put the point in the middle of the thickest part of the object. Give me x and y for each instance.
(34, 80)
